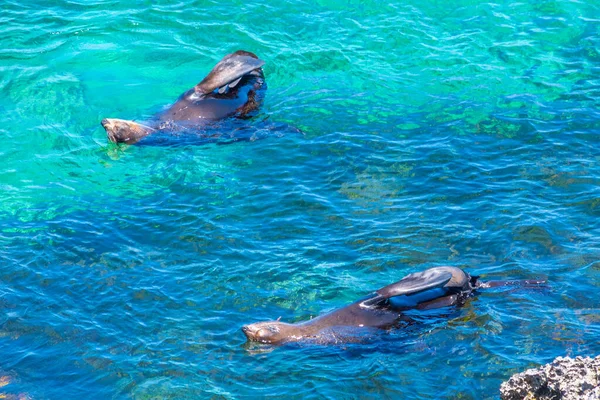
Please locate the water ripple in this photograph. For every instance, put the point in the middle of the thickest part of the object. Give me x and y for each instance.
(433, 135)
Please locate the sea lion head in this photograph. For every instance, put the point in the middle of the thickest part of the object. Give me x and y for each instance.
(271, 332)
(124, 131)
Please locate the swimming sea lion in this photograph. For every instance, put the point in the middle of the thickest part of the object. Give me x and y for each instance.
(234, 88)
(432, 288)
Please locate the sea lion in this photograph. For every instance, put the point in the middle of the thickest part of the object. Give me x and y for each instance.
(234, 88)
(433, 288)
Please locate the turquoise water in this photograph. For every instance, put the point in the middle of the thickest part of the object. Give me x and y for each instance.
(435, 133)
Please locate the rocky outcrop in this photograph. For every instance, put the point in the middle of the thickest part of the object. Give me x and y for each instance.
(565, 378)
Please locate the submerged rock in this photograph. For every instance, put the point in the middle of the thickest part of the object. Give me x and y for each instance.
(564, 378)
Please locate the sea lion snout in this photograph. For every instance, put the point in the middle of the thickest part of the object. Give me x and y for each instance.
(111, 129)
(248, 331)
(108, 126)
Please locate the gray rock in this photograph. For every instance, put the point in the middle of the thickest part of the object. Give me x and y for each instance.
(565, 378)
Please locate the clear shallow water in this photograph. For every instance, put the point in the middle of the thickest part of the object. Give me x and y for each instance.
(462, 134)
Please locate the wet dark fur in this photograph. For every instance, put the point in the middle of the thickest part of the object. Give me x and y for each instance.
(194, 109)
(376, 311)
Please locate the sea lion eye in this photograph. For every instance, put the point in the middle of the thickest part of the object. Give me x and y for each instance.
(267, 333)
(263, 333)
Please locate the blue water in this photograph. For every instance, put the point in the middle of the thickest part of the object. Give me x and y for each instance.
(457, 133)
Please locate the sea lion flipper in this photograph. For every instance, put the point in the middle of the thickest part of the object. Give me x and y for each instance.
(416, 282)
(527, 283)
(411, 284)
(234, 83)
(228, 70)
